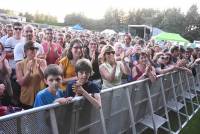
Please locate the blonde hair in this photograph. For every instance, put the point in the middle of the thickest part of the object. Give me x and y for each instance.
(106, 48)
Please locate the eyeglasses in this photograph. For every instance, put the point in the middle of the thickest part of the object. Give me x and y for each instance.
(108, 53)
(93, 44)
(77, 47)
(18, 29)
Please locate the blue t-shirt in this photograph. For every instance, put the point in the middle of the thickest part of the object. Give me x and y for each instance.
(90, 87)
(44, 97)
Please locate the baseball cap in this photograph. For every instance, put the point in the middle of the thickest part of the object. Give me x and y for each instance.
(30, 45)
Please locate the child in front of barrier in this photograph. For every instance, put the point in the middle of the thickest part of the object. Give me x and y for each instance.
(82, 86)
(53, 76)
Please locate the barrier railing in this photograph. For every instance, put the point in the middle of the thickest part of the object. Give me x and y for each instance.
(137, 107)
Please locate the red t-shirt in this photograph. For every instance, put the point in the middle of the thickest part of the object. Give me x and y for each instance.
(53, 52)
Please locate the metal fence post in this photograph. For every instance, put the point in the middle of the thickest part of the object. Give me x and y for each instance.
(53, 121)
(130, 111)
(165, 104)
(188, 85)
(19, 131)
(102, 121)
(182, 92)
(195, 91)
(151, 107)
(176, 101)
(110, 108)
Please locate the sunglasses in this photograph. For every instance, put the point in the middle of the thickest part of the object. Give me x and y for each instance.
(18, 29)
(165, 58)
(108, 53)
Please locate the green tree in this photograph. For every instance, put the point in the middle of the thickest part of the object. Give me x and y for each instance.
(173, 21)
(192, 24)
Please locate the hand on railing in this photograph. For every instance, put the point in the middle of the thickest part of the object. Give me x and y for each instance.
(64, 100)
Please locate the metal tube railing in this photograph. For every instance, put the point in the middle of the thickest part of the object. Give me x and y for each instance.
(130, 106)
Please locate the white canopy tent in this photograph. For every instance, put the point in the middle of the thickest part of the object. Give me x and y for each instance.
(108, 31)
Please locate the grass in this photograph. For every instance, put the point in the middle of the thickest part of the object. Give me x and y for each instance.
(193, 125)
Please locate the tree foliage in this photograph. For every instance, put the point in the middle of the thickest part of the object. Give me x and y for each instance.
(170, 20)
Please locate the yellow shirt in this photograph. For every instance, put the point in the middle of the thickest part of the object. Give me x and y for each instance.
(68, 70)
(35, 83)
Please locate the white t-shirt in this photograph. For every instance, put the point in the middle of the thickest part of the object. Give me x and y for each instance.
(3, 39)
(9, 47)
(19, 51)
(126, 48)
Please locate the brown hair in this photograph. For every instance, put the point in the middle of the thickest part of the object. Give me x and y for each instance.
(53, 69)
(69, 52)
(83, 65)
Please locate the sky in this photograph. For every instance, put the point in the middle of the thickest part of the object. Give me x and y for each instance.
(94, 9)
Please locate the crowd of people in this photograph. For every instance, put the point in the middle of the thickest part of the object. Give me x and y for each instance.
(43, 66)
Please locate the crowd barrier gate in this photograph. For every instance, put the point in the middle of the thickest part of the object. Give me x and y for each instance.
(165, 106)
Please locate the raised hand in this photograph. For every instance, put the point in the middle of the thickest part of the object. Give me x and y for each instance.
(129, 52)
(80, 90)
(197, 61)
(93, 57)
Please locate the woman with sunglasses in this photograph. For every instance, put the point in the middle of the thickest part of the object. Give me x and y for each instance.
(111, 70)
(163, 64)
(68, 63)
(30, 75)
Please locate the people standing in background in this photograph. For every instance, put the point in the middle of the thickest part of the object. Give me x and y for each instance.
(61, 40)
(9, 33)
(6, 92)
(52, 50)
(29, 34)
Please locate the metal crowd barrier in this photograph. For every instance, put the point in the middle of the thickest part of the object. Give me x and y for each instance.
(165, 106)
